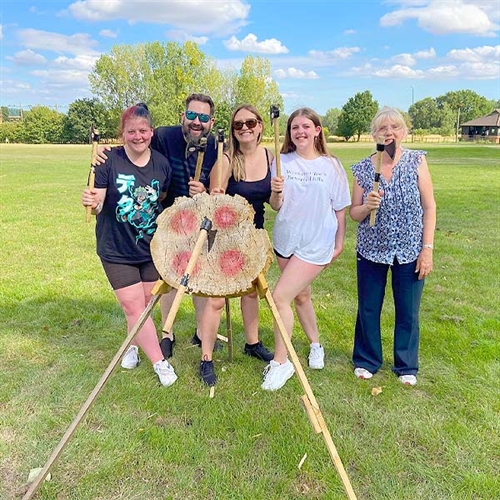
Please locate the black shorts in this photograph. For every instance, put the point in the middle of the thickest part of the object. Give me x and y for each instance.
(282, 256)
(123, 275)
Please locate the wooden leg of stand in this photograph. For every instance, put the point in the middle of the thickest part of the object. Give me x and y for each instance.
(312, 406)
(35, 485)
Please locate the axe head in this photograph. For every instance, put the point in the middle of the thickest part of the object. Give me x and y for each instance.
(211, 234)
(274, 112)
(220, 135)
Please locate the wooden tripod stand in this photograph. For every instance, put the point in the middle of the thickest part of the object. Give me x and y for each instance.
(260, 284)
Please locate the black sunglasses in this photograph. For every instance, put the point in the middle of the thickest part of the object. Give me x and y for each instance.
(252, 123)
(191, 115)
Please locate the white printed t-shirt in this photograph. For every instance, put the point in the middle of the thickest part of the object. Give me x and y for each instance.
(306, 224)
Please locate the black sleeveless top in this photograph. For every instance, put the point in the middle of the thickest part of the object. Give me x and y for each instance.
(255, 192)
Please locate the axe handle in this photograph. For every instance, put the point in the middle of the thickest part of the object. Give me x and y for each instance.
(199, 163)
(95, 143)
(276, 146)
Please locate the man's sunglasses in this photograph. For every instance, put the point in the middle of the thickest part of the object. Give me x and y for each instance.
(252, 123)
(191, 115)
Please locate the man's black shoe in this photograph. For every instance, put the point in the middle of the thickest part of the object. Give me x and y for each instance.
(258, 351)
(167, 346)
(207, 373)
(197, 341)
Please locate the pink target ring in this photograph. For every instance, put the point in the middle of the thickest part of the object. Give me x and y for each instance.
(184, 222)
(181, 261)
(231, 262)
(225, 217)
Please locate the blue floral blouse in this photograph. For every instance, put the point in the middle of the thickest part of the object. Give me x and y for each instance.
(398, 228)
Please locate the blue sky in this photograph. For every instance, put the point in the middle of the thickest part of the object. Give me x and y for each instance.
(321, 52)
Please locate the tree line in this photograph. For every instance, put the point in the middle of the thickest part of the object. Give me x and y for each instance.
(163, 74)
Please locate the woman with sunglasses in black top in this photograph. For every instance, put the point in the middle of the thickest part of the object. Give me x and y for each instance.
(246, 172)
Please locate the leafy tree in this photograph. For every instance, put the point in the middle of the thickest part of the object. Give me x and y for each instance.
(356, 115)
(11, 132)
(82, 114)
(42, 125)
(331, 120)
(471, 105)
(254, 85)
(425, 114)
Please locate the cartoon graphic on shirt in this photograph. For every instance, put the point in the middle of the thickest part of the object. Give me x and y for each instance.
(138, 205)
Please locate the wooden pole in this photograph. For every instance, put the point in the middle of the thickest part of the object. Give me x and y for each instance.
(94, 137)
(275, 113)
(199, 161)
(312, 407)
(378, 166)
(220, 152)
(35, 485)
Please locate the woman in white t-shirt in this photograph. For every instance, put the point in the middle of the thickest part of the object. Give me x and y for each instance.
(311, 197)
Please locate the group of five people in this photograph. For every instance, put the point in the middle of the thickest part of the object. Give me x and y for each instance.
(136, 181)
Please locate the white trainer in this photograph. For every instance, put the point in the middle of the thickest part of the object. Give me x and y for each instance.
(276, 375)
(316, 357)
(362, 373)
(408, 379)
(131, 358)
(165, 372)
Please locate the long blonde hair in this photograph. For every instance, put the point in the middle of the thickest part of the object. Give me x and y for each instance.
(236, 157)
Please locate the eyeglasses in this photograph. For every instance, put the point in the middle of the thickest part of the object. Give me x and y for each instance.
(252, 123)
(191, 115)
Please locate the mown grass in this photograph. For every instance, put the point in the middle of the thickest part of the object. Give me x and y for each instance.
(61, 326)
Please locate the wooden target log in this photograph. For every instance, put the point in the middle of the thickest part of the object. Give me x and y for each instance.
(234, 254)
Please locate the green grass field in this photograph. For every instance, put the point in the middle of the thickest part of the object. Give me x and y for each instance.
(61, 326)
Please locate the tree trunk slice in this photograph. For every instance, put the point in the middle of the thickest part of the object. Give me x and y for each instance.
(238, 254)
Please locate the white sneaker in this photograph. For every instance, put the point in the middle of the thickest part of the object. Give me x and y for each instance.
(316, 357)
(362, 373)
(131, 358)
(408, 379)
(165, 372)
(276, 375)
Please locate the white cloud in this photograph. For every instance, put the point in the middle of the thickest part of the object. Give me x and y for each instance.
(442, 17)
(425, 54)
(84, 63)
(14, 87)
(107, 33)
(449, 71)
(1, 31)
(77, 44)
(250, 44)
(201, 17)
(350, 32)
(404, 59)
(295, 73)
(485, 53)
(182, 36)
(333, 55)
(27, 58)
(399, 71)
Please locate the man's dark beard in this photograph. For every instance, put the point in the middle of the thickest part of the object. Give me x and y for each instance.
(190, 140)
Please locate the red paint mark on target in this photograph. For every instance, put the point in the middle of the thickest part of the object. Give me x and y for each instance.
(231, 262)
(225, 217)
(184, 222)
(181, 261)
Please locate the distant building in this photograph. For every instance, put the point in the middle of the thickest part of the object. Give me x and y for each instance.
(486, 128)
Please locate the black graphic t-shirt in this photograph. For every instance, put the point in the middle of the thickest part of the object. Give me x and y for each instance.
(127, 221)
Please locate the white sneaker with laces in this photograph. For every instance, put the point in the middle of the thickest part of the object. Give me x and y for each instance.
(408, 379)
(363, 373)
(131, 358)
(165, 372)
(316, 357)
(276, 375)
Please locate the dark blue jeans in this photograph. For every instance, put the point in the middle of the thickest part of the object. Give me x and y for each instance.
(407, 292)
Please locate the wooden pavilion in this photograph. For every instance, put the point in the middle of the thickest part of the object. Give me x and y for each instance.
(486, 128)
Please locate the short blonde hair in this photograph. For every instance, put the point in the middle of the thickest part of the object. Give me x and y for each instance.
(387, 113)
